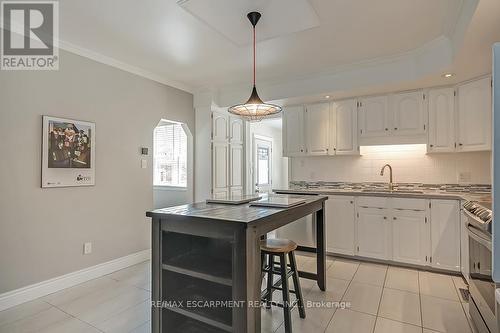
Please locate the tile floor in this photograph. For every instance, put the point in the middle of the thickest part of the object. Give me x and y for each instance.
(378, 299)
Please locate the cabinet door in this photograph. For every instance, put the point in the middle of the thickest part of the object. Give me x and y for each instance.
(317, 128)
(236, 166)
(374, 117)
(340, 224)
(236, 126)
(474, 116)
(373, 233)
(220, 128)
(410, 235)
(408, 113)
(445, 234)
(344, 128)
(441, 120)
(220, 164)
(293, 131)
(302, 231)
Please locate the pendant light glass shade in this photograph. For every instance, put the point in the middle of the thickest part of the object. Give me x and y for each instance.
(254, 109)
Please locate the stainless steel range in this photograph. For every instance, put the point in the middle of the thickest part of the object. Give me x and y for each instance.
(482, 288)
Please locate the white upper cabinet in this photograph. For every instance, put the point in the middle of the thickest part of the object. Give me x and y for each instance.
(410, 235)
(373, 116)
(474, 116)
(344, 128)
(441, 120)
(220, 128)
(340, 224)
(220, 155)
(408, 116)
(236, 166)
(293, 131)
(236, 125)
(317, 128)
(445, 234)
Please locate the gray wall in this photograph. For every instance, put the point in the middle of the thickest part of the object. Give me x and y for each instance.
(42, 231)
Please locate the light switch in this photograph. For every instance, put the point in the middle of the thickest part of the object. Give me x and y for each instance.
(144, 163)
(87, 248)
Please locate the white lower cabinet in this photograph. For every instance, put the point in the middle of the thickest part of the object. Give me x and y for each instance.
(410, 237)
(412, 231)
(445, 234)
(373, 233)
(340, 230)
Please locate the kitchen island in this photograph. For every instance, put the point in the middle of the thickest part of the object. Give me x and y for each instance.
(206, 263)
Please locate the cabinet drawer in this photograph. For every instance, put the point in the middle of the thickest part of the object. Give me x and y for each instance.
(373, 202)
(409, 204)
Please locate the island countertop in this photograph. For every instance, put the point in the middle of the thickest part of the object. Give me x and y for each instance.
(243, 213)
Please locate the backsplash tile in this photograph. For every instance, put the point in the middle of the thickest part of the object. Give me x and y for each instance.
(410, 164)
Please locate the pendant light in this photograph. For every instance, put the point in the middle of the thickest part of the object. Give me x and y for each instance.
(254, 109)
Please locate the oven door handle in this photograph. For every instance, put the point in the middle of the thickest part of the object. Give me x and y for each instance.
(479, 223)
(481, 240)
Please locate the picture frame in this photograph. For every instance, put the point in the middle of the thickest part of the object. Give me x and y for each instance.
(68, 152)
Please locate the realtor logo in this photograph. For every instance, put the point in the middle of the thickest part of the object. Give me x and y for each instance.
(30, 35)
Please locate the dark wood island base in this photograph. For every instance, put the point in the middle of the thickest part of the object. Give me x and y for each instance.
(206, 273)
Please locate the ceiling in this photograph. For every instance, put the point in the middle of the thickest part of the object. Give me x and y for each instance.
(337, 47)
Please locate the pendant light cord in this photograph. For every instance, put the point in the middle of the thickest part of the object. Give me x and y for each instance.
(254, 55)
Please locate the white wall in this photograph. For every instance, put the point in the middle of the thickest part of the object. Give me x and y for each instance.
(410, 164)
(42, 231)
(279, 163)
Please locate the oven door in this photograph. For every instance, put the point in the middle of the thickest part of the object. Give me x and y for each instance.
(482, 287)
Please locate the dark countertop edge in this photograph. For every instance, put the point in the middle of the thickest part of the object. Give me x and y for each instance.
(444, 196)
(156, 214)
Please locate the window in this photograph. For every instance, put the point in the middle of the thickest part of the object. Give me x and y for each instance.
(170, 155)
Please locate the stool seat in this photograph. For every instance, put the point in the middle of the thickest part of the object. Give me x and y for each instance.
(276, 245)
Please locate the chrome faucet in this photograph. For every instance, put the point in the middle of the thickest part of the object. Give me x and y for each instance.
(391, 185)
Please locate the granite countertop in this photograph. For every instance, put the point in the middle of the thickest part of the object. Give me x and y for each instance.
(472, 192)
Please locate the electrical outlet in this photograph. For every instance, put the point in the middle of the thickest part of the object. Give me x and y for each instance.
(464, 177)
(87, 248)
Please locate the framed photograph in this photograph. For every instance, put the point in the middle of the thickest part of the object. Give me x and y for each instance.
(68, 152)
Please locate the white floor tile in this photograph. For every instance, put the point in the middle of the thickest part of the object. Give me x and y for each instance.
(347, 321)
(459, 283)
(437, 285)
(363, 297)
(128, 320)
(271, 319)
(335, 290)
(401, 306)
(384, 325)
(371, 274)
(22, 311)
(402, 279)
(302, 326)
(342, 269)
(138, 275)
(443, 315)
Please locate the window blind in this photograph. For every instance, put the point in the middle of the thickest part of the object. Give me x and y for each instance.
(170, 155)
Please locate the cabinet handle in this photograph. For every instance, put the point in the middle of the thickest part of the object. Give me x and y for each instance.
(460, 144)
(352, 202)
(395, 128)
(394, 218)
(302, 150)
(431, 146)
(386, 129)
(385, 217)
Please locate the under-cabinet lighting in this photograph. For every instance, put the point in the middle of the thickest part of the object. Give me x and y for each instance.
(448, 75)
(412, 149)
(327, 96)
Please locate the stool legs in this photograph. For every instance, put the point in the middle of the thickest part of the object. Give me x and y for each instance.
(296, 283)
(286, 293)
(270, 281)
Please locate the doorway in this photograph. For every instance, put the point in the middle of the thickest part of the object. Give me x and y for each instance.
(262, 163)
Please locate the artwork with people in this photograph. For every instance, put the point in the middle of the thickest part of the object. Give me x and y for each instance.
(69, 145)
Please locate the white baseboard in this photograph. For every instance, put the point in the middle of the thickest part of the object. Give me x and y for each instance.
(34, 291)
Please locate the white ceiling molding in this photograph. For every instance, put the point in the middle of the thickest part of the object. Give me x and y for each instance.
(123, 66)
(430, 58)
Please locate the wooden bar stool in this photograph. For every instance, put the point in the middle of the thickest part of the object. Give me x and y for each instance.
(281, 248)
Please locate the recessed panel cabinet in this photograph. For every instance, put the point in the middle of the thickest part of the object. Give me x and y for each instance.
(344, 128)
(410, 237)
(340, 229)
(236, 176)
(408, 116)
(474, 116)
(373, 116)
(441, 120)
(373, 233)
(445, 234)
(220, 128)
(236, 126)
(317, 128)
(293, 131)
(220, 160)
